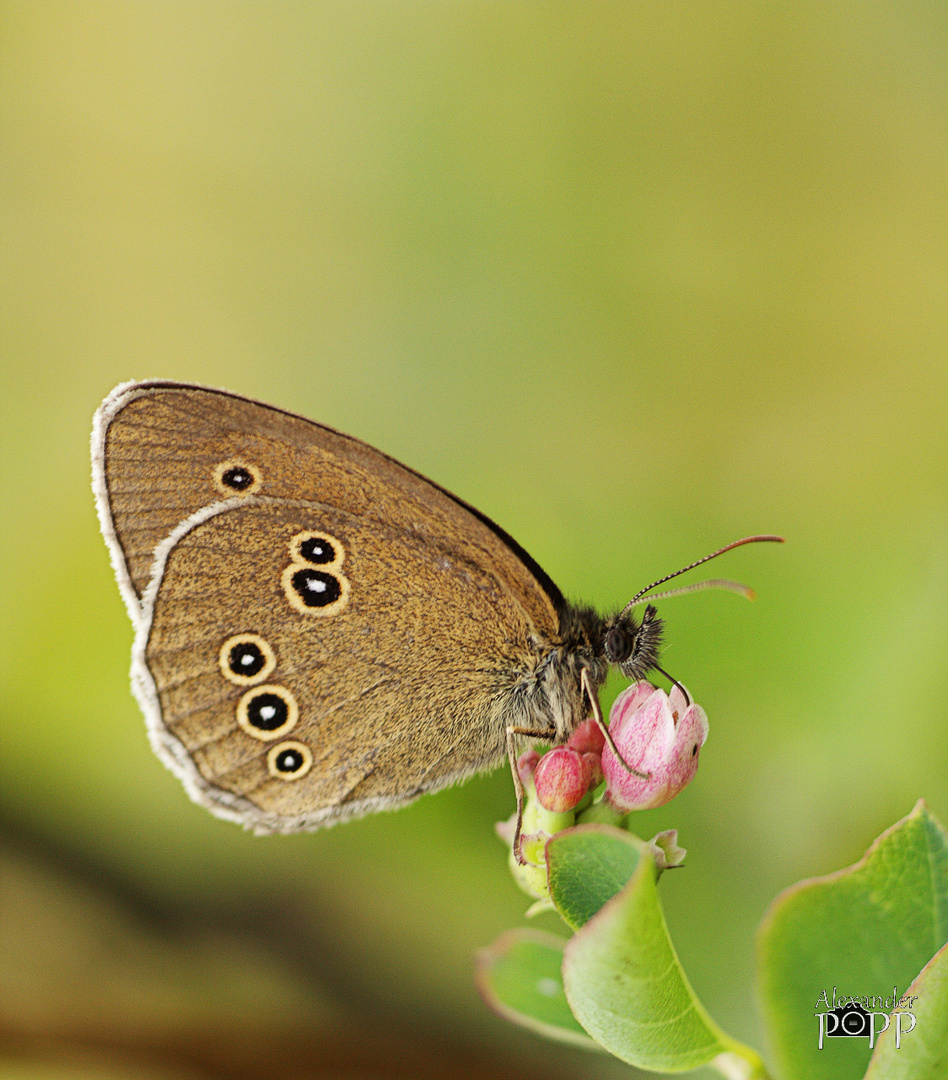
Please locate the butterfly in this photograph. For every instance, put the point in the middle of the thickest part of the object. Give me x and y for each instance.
(321, 632)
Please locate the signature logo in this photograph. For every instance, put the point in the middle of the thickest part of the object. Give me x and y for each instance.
(866, 1016)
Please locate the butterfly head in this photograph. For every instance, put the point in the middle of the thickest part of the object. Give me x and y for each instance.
(634, 646)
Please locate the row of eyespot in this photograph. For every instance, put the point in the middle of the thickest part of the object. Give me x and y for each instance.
(265, 712)
(270, 711)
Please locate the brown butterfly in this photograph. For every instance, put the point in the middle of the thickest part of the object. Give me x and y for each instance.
(320, 631)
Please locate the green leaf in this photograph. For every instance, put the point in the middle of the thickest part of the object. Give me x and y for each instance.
(867, 931)
(519, 977)
(622, 978)
(587, 866)
(922, 1053)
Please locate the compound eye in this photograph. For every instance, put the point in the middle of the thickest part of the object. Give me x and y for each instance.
(618, 646)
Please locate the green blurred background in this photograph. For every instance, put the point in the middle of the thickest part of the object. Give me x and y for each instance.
(635, 279)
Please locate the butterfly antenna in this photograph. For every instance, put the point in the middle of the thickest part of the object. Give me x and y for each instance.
(732, 585)
(699, 586)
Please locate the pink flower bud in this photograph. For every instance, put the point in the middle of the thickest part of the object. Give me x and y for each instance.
(587, 738)
(656, 733)
(594, 763)
(562, 778)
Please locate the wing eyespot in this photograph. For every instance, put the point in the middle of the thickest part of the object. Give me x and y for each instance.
(267, 712)
(317, 549)
(289, 760)
(313, 591)
(237, 478)
(246, 659)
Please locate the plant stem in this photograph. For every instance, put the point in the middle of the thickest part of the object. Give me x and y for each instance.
(740, 1063)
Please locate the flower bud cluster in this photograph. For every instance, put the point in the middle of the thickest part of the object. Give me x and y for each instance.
(657, 736)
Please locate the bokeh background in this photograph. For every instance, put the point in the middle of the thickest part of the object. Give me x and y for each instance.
(635, 279)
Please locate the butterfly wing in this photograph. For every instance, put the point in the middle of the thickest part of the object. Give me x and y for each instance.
(163, 450)
(288, 689)
(387, 682)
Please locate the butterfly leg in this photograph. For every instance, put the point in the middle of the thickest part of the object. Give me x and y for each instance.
(597, 716)
(547, 735)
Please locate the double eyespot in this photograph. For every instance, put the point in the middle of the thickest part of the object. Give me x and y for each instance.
(313, 582)
(267, 711)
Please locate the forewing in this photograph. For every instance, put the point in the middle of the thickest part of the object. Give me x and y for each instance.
(162, 451)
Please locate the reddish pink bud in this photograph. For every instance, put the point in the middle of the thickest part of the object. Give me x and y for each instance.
(594, 764)
(658, 734)
(562, 778)
(587, 738)
(527, 764)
